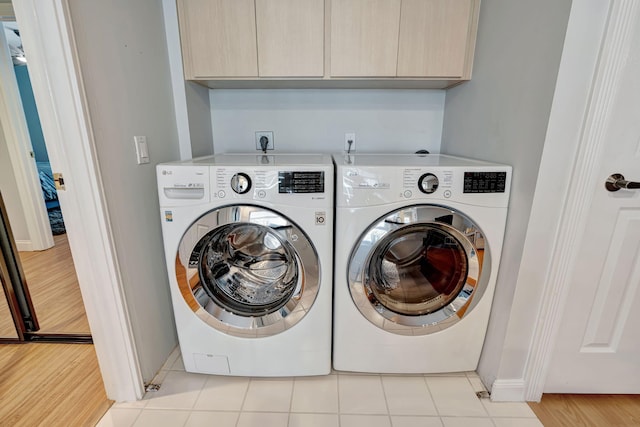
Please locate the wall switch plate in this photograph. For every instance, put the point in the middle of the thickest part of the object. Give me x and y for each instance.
(350, 136)
(265, 134)
(142, 149)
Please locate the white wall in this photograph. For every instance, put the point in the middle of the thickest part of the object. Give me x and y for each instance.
(501, 115)
(200, 127)
(193, 115)
(10, 195)
(315, 120)
(124, 63)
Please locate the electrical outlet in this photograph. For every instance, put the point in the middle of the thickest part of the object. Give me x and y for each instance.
(350, 137)
(264, 134)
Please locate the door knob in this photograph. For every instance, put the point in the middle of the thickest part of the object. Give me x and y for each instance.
(617, 182)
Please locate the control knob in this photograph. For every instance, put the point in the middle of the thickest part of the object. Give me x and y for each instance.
(428, 183)
(240, 183)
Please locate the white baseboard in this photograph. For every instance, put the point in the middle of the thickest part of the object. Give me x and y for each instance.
(508, 390)
(24, 245)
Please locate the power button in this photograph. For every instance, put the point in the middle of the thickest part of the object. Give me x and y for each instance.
(321, 218)
(447, 194)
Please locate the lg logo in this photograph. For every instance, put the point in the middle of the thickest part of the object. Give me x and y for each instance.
(166, 172)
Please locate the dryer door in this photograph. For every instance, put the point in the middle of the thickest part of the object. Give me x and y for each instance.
(419, 269)
(247, 271)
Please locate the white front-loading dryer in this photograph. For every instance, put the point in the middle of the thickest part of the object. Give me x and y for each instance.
(416, 260)
(248, 242)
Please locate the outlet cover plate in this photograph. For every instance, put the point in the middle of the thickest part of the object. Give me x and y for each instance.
(269, 135)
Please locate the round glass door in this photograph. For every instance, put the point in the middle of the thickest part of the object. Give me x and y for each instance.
(418, 270)
(247, 271)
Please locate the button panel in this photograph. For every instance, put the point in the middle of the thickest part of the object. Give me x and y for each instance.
(485, 182)
(301, 182)
(266, 184)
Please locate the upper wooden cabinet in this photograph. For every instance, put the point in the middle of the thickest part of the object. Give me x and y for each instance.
(252, 38)
(437, 38)
(290, 38)
(364, 37)
(365, 43)
(218, 38)
(403, 38)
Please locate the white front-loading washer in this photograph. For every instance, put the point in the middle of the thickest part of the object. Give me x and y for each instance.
(248, 241)
(418, 247)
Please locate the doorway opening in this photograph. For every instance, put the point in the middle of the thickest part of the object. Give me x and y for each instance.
(43, 300)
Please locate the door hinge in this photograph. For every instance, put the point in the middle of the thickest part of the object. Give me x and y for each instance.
(59, 180)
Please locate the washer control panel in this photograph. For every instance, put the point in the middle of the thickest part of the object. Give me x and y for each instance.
(304, 181)
(297, 186)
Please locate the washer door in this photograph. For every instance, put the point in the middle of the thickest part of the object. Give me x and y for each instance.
(419, 269)
(247, 271)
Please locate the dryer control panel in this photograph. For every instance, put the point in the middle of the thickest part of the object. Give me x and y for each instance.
(375, 185)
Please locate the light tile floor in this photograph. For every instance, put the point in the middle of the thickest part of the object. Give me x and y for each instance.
(337, 400)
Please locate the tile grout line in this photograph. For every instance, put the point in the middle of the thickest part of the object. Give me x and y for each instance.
(193, 405)
(386, 403)
(244, 399)
(293, 388)
(432, 399)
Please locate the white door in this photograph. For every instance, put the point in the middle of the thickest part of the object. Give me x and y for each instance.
(597, 349)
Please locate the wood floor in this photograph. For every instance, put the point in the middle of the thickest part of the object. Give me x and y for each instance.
(588, 410)
(7, 329)
(50, 385)
(54, 289)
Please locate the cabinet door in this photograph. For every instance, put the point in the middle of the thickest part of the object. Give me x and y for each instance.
(290, 38)
(434, 35)
(218, 38)
(364, 38)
